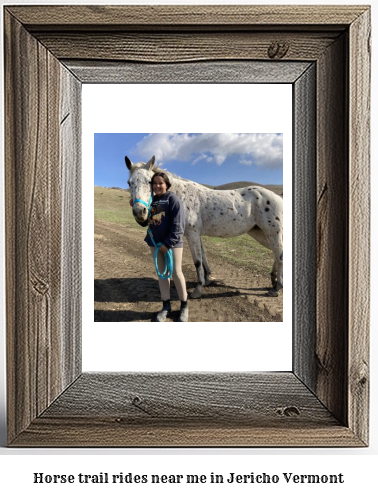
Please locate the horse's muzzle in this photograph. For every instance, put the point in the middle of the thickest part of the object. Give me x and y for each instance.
(140, 213)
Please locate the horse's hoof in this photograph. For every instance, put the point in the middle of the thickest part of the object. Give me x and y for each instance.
(273, 293)
(196, 294)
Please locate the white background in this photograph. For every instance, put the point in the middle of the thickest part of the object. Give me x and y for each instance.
(358, 465)
(185, 108)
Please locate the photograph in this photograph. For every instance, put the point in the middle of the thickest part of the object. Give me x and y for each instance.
(205, 212)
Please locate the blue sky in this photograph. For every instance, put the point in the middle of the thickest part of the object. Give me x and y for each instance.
(213, 159)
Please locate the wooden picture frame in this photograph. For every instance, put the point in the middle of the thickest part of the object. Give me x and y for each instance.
(49, 52)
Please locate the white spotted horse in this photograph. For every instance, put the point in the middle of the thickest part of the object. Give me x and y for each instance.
(224, 213)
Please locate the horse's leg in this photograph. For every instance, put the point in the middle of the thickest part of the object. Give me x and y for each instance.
(273, 274)
(278, 283)
(195, 246)
(274, 244)
(205, 264)
(277, 272)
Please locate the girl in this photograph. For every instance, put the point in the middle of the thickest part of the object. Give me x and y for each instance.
(167, 222)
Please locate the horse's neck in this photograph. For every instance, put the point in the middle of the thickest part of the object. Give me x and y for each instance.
(178, 187)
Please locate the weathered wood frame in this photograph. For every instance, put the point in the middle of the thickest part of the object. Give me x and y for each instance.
(49, 53)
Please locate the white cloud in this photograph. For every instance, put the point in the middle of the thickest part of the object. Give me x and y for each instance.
(262, 150)
(199, 158)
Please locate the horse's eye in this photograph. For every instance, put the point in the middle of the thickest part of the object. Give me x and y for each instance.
(128, 182)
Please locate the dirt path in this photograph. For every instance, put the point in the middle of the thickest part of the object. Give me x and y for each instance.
(126, 287)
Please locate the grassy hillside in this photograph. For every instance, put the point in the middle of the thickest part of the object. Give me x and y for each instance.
(112, 205)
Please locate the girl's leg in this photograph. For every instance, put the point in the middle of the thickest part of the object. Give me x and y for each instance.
(164, 285)
(177, 275)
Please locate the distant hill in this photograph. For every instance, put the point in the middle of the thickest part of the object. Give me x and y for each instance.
(276, 188)
(237, 185)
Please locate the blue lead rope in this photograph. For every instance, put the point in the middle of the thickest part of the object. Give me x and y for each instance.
(168, 257)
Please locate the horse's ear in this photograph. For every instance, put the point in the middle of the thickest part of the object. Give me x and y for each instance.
(128, 162)
(151, 163)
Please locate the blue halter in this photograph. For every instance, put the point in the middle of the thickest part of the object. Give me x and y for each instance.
(168, 257)
(148, 205)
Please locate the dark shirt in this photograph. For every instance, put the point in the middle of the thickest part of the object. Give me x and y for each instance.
(166, 221)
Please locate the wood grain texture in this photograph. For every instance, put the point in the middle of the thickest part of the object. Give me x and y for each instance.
(220, 396)
(168, 47)
(332, 230)
(34, 237)
(230, 409)
(70, 161)
(199, 72)
(324, 402)
(33, 214)
(359, 226)
(184, 16)
(100, 432)
(304, 227)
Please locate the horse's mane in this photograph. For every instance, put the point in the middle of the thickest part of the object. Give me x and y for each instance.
(175, 176)
(156, 169)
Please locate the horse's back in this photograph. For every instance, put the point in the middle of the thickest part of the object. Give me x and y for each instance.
(229, 213)
(267, 206)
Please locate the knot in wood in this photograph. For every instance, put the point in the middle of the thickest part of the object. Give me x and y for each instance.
(136, 400)
(278, 50)
(140, 404)
(41, 287)
(288, 411)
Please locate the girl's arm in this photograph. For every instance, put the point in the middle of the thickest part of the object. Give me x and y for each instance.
(178, 223)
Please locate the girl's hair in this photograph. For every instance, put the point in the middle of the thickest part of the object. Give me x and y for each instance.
(164, 176)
